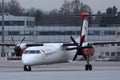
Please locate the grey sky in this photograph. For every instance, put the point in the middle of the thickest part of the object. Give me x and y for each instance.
(48, 5)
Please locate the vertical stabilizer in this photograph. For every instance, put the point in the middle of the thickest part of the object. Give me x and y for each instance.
(84, 29)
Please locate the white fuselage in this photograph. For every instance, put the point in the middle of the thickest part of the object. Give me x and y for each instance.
(50, 53)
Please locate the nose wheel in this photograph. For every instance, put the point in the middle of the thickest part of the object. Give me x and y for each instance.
(27, 68)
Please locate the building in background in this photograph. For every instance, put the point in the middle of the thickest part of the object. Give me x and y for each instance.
(17, 26)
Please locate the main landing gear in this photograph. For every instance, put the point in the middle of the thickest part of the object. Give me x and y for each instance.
(27, 68)
(88, 66)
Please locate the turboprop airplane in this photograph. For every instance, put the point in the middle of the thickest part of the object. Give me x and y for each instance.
(51, 53)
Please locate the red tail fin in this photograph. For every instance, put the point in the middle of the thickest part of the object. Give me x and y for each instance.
(84, 29)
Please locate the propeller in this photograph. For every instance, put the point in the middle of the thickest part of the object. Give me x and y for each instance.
(17, 48)
(79, 48)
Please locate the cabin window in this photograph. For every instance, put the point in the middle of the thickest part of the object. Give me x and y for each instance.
(32, 52)
(37, 51)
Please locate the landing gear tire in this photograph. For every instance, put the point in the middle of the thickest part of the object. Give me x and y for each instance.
(88, 67)
(27, 68)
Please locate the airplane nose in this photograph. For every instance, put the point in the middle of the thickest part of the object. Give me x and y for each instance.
(26, 59)
(32, 59)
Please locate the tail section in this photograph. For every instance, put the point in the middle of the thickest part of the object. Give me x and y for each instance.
(85, 50)
(84, 29)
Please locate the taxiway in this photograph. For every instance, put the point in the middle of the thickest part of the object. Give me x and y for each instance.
(13, 70)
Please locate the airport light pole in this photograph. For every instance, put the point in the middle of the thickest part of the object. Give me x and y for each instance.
(2, 49)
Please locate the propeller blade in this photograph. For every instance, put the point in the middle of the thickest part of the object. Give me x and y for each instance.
(83, 55)
(22, 41)
(82, 40)
(12, 39)
(80, 52)
(77, 53)
(73, 40)
(75, 57)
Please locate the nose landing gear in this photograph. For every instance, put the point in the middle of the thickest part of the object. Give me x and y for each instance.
(27, 68)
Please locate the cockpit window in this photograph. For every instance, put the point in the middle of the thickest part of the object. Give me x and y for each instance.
(32, 52)
(26, 52)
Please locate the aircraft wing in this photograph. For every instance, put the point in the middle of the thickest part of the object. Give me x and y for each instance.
(6, 44)
(27, 44)
(100, 43)
(92, 43)
(70, 44)
(64, 44)
(35, 44)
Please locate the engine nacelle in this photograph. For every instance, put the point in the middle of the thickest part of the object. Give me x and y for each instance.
(89, 51)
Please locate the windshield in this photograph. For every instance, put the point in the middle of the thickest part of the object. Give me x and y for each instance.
(32, 52)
